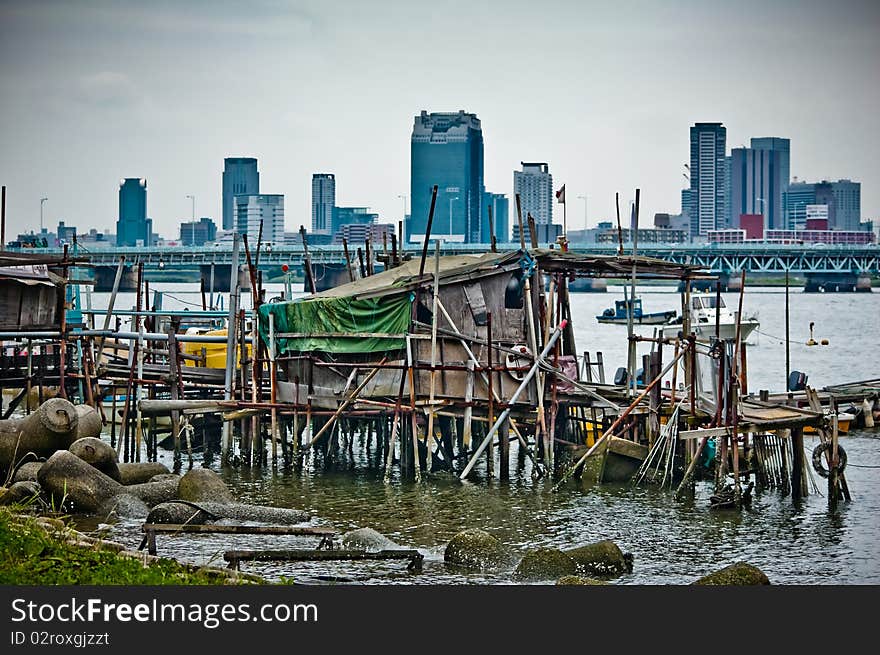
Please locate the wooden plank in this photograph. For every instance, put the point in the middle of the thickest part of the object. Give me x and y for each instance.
(301, 555)
(239, 529)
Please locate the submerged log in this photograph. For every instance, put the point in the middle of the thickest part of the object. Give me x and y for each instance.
(179, 513)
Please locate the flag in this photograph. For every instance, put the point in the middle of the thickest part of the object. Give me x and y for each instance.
(560, 195)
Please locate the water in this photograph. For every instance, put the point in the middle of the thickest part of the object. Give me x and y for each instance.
(672, 542)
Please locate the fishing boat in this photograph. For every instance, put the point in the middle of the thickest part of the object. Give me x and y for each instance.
(620, 314)
(705, 310)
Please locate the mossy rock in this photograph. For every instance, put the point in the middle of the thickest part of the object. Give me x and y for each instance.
(579, 580)
(474, 549)
(545, 564)
(603, 558)
(738, 574)
(202, 484)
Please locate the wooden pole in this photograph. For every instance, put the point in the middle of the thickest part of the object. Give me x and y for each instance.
(347, 260)
(434, 320)
(493, 243)
(231, 326)
(490, 451)
(519, 222)
(310, 275)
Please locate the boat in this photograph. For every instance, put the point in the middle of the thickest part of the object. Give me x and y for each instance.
(620, 314)
(843, 423)
(703, 313)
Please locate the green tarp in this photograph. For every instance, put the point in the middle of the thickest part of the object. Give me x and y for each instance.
(326, 322)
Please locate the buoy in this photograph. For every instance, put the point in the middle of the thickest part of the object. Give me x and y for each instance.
(824, 342)
(867, 413)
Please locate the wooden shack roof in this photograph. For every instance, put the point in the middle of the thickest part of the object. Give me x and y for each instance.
(613, 266)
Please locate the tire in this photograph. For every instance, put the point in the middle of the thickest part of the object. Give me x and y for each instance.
(818, 464)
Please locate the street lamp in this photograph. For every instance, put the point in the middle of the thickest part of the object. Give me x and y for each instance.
(42, 200)
(193, 219)
(450, 217)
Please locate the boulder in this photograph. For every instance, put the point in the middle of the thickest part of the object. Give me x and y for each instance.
(738, 574)
(123, 505)
(178, 513)
(51, 427)
(260, 513)
(27, 471)
(140, 472)
(89, 423)
(474, 549)
(97, 453)
(165, 476)
(578, 580)
(603, 559)
(74, 483)
(368, 539)
(203, 484)
(21, 493)
(154, 493)
(545, 564)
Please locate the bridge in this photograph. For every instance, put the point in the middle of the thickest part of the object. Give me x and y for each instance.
(820, 264)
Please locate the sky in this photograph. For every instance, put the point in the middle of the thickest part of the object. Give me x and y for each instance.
(93, 91)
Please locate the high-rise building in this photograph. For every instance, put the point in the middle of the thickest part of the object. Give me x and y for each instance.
(323, 202)
(534, 185)
(351, 216)
(500, 210)
(198, 233)
(842, 198)
(707, 174)
(240, 177)
(250, 210)
(133, 228)
(796, 199)
(756, 186)
(447, 151)
(783, 147)
(847, 205)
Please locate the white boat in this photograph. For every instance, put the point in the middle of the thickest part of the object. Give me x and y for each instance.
(703, 316)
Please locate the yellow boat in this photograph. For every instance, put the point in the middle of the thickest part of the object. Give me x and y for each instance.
(214, 353)
(843, 421)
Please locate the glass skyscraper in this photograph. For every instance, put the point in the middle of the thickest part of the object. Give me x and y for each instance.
(500, 217)
(133, 228)
(447, 150)
(756, 186)
(323, 202)
(708, 209)
(240, 177)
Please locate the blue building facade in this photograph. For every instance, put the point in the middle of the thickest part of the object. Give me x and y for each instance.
(133, 228)
(756, 186)
(500, 217)
(447, 151)
(240, 177)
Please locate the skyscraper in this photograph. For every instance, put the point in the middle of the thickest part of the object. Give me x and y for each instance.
(842, 198)
(756, 186)
(446, 150)
(323, 202)
(133, 228)
(796, 199)
(847, 205)
(240, 177)
(250, 210)
(500, 220)
(707, 175)
(534, 185)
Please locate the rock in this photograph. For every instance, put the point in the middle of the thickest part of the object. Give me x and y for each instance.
(203, 484)
(544, 564)
(50, 428)
(22, 493)
(89, 422)
(474, 549)
(578, 580)
(260, 513)
(76, 484)
(178, 513)
(153, 493)
(368, 539)
(97, 453)
(124, 505)
(603, 558)
(27, 471)
(165, 476)
(740, 573)
(140, 472)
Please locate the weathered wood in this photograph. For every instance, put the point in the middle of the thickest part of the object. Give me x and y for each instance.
(300, 555)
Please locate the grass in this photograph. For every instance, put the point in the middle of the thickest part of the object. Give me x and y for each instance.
(31, 554)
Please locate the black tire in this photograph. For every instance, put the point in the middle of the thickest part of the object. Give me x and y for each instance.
(818, 453)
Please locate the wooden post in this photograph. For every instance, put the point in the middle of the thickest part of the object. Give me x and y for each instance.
(490, 450)
(175, 395)
(231, 327)
(833, 486)
(798, 480)
(493, 244)
(468, 407)
(435, 319)
(307, 261)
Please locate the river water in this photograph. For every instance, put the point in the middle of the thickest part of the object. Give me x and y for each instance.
(673, 542)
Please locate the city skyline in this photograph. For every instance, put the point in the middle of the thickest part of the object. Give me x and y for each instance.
(103, 92)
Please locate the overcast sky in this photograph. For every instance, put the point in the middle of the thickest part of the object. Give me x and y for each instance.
(93, 91)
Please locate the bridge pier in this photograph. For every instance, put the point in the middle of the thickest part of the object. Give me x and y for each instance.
(223, 277)
(832, 282)
(863, 283)
(105, 276)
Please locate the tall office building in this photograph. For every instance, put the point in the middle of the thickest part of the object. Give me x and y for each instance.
(707, 198)
(847, 205)
(842, 198)
(323, 202)
(447, 151)
(250, 210)
(783, 147)
(133, 228)
(351, 216)
(796, 199)
(534, 185)
(240, 177)
(756, 186)
(500, 210)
